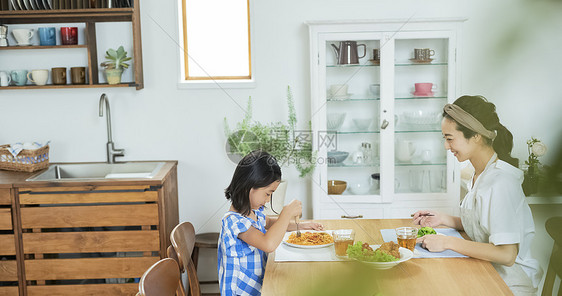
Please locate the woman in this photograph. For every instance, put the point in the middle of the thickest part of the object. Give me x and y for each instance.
(494, 212)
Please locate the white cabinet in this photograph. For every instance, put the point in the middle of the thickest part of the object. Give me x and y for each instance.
(393, 134)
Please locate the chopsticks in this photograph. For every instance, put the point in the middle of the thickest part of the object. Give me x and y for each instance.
(423, 215)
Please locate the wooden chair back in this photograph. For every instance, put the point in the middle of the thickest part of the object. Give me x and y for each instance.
(161, 279)
(554, 228)
(183, 241)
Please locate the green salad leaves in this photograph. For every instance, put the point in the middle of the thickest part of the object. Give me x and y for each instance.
(357, 251)
(426, 230)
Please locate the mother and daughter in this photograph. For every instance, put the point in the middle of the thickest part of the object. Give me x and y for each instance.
(494, 212)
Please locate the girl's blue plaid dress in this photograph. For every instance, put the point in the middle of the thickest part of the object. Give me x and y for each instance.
(241, 266)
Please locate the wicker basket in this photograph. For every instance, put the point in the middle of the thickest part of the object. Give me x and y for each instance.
(26, 161)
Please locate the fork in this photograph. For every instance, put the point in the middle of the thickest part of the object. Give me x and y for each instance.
(297, 222)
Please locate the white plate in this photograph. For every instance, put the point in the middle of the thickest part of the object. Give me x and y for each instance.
(405, 255)
(305, 246)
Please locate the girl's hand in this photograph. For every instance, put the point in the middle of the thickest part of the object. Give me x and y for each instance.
(293, 209)
(427, 218)
(434, 242)
(311, 226)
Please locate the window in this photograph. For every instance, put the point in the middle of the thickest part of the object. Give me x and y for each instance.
(216, 40)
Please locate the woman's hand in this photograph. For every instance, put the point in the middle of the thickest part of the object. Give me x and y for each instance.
(428, 218)
(434, 242)
(311, 226)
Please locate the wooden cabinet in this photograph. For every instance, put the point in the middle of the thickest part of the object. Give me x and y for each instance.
(369, 109)
(89, 17)
(85, 238)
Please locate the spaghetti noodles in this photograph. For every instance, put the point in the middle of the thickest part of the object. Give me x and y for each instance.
(310, 239)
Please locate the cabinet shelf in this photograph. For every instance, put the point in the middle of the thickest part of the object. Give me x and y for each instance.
(398, 64)
(398, 164)
(43, 47)
(354, 132)
(354, 165)
(354, 99)
(14, 87)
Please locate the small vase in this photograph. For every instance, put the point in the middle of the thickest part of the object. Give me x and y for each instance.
(113, 75)
(530, 184)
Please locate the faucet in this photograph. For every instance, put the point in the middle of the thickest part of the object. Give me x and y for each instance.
(111, 151)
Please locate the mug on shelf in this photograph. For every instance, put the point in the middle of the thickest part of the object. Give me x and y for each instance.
(69, 35)
(23, 36)
(58, 75)
(19, 77)
(38, 76)
(47, 36)
(5, 79)
(78, 75)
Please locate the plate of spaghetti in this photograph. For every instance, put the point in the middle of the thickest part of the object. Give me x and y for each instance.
(309, 240)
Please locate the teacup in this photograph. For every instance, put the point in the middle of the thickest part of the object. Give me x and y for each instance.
(69, 35)
(423, 54)
(23, 36)
(424, 88)
(19, 77)
(39, 76)
(58, 75)
(78, 75)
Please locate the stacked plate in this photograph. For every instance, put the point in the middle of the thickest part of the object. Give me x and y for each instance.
(65, 4)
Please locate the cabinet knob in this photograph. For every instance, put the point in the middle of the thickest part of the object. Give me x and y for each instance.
(384, 124)
(351, 217)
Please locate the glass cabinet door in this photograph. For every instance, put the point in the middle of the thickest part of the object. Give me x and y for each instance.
(421, 89)
(351, 89)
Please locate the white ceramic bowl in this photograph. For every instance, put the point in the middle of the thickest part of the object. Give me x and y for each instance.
(362, 123)
(421, 117)
(335, 120)
(359, 188)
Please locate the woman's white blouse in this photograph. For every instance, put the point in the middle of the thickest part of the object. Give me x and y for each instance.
(495, 211)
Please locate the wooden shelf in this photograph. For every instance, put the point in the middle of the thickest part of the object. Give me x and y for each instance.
(43, 47)
(59, 86)
(67, 15)
(89, 17)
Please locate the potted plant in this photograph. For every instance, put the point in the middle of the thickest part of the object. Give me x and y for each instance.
(283, 141)
(115, 64)
(536, 149)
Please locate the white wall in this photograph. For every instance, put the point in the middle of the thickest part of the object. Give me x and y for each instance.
(511, 56)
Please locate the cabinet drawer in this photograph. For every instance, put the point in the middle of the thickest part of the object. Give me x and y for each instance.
(356, 212)
(87, 194)
(89, 216)
(9, 291)
(6, 219)
(5, 197)
(8, 271)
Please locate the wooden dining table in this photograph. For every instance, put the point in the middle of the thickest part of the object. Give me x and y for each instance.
(417, 276)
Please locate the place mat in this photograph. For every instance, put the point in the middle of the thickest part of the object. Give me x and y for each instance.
(286, 253)
(419, 251)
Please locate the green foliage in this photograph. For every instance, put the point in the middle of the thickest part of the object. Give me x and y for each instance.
(116, 59)
(280, 140)
(356, 251)
(426, 230)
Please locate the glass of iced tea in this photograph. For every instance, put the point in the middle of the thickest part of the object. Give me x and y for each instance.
(342, 239)
(407, 237)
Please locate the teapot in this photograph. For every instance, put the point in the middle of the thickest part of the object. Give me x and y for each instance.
(346, 53)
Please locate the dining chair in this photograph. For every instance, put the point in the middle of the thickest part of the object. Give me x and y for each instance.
(554, 228)
(185, 244)
(161, 279)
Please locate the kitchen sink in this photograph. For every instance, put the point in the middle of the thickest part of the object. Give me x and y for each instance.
(125, 170)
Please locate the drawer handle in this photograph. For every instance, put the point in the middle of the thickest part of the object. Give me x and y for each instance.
(351, 217)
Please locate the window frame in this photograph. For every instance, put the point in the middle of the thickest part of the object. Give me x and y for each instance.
(215, 81)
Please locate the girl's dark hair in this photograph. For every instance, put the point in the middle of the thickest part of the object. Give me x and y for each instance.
(485, 112)
(258, 169)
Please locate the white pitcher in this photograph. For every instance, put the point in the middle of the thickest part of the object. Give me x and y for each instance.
(5, 79)
(405, 150)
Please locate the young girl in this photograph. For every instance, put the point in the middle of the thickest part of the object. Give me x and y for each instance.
(247, 235)
(494, 212)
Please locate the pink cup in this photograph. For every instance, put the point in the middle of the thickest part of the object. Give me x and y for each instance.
(424, 88)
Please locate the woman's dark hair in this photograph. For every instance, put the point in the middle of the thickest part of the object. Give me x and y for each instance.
(258, 169)
(485, 112)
